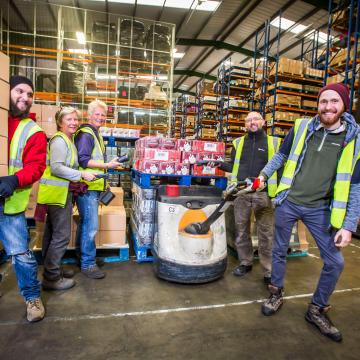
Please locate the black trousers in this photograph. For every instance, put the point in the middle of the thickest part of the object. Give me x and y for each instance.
(56, 238)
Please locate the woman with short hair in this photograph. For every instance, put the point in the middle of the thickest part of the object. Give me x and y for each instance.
(55, 191)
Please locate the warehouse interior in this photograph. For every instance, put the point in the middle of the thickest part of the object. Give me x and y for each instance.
(179, 79)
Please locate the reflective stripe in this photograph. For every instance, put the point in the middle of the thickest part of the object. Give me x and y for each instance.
(272, 181)
(339, 204)
(303, 125)
(54, 182)
(16, 163)
(23, 138)
(237, 161)
(286, 180)
(97, 157)
(343, 177)
(293, 157)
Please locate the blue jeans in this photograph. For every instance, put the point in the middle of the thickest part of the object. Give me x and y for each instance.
(15, 238)
(88, 227)
(317, 220)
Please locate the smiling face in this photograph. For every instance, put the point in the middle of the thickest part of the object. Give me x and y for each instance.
(69, 124)
(98, 117)
(21, 99)
(330, 109)
(254, 122)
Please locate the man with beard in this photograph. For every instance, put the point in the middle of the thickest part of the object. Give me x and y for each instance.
(249, 155)
(321, 186)
(27, 162)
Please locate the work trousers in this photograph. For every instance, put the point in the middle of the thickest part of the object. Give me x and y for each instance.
(260, 204)
(317, 220)
(56, 238)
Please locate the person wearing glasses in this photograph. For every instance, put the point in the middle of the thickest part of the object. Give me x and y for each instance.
(250, 153)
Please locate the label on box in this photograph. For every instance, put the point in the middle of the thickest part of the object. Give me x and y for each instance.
(208, 170)
(161, 156)
(210, 146)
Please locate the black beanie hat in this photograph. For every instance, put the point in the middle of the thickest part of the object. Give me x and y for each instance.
(18, 79)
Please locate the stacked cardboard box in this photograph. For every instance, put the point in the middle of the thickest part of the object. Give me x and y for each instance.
(282, 116)
(4, 107)
(45, 117)
(310, 72)
(287, 85)
(288, 66)
(112, 224)
(309, 104)
(285, 100)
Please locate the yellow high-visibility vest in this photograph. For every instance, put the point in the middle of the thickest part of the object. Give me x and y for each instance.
(344, 171)
(96, 155)
(273, 146)
(53, 190)
(19, 200)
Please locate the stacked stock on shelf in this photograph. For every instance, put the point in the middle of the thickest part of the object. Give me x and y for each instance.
(45, 117)
(166, 156)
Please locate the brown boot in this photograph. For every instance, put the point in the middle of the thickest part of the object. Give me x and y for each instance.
(35, 310)
(317, 316)
(274, 302)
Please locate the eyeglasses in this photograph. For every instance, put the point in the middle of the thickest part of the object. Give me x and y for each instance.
(253, 119)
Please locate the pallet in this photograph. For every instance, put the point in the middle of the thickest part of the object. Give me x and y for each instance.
(142, 252)
(146, 181)
(308, 76)
(106, 255)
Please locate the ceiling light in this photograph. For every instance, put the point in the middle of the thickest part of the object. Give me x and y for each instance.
(322, 39)
(286, 24)
(81, 37)
(80, 51)
(178, 55)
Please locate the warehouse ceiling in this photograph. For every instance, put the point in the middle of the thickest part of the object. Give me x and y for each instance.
(233, 22)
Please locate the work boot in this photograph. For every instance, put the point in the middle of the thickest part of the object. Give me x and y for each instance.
(93, 272)
(241, 270)
(35, 310)
(67, 273)
(60, 284)
(274, 302)
(317, 316)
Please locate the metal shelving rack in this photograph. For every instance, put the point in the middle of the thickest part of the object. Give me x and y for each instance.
(200, 108)
(346, 23)
(90, 55)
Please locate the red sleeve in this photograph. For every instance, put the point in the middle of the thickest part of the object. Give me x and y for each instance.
(34, 160)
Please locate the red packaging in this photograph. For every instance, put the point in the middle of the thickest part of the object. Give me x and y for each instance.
(160, 155)
(204, 156)
(149, 167)
(184, 145)
(189, 157)
(152, 142)
(167, 168)
(208, 146)
(207, 171)
(167, 143)
(182, 169)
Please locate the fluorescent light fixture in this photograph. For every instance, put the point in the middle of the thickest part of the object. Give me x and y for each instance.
(139, 113)
(80, 51)
(178, 55)
(105, 77)
(204, 5)
(322, 36)
(81, 37)
(286, 24)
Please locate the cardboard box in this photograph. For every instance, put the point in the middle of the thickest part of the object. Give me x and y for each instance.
(37, 109)
(3, 123)
(48, 113)
(119, 196)
(112, 218)
(3, 170)
(4, 95)
(4, 150)
(4, 67)
(285, 100)
(49, 128)
(288, 66)
(113, 238)
(310, 103)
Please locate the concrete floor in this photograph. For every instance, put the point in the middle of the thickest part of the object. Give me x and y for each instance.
(133, 315)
